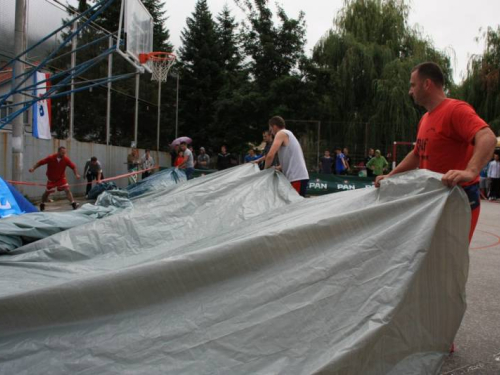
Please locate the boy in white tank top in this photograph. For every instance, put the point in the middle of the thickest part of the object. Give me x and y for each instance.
(293, 164)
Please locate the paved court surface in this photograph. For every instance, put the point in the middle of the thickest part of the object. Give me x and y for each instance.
(478, 340)
(60, 203)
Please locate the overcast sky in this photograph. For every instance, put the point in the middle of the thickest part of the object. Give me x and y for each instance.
(451, 24)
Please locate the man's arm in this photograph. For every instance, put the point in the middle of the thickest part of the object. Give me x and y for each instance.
(410, 162)
(344, 161)
(484, 146)
(278, 141)
(38, 164)
(75, 171)
(370, 163)
(31, 170)
(386, 164)
(256, 161)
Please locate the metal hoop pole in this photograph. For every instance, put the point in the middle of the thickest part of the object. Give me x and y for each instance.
(136, 119)
(159, 116)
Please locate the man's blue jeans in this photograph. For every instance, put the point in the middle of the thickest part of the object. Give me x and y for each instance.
(189, 173)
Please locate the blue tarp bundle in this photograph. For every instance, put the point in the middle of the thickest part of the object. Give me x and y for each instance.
(12, 202)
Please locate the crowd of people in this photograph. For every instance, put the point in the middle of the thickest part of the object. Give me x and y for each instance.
(489, 182)
(281, 150)
(375, 164)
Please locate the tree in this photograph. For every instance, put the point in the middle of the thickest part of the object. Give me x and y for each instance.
(275, 48)
(228, 125)
(201, 72)
(362, 68)
(481, 87)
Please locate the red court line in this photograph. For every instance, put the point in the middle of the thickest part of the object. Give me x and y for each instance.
(487, 246)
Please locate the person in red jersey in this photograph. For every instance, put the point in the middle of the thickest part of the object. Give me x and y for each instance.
(56, 175)
(452, 139)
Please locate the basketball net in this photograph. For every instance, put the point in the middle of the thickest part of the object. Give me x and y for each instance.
(159, 63)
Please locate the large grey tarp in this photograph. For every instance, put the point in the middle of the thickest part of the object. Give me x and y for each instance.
(18, 230)
(234, 273)
(15, 230)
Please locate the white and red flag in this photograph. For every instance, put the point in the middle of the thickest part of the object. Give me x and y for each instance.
(41, 109)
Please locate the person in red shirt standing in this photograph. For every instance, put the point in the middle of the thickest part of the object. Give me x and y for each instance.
(56, 175)
(452, 139)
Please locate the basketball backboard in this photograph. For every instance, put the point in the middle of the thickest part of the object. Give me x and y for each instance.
(138, 28)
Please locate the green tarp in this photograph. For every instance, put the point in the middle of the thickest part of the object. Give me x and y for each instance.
(320, 184)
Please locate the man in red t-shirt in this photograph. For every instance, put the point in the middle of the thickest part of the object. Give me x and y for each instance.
(452, 139)
(56, 175)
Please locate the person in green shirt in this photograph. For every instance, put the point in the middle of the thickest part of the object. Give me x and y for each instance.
(377, 164)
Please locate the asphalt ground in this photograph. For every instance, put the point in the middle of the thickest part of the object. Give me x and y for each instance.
(477, 344)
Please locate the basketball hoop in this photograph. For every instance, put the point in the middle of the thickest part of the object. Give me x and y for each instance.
(159, 63)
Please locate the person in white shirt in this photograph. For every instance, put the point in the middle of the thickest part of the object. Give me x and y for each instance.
(188, 162)
(293, 164)
(494, 177)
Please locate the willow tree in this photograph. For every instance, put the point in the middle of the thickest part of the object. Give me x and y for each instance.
(481, 88)
(364, 65)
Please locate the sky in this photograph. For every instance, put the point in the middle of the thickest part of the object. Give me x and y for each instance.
(453, 25)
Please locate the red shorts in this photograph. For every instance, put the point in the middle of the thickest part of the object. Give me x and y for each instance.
(473, 221)
(300, 186)
(61, 185)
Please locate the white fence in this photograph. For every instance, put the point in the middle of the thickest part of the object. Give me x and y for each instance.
(112, 158)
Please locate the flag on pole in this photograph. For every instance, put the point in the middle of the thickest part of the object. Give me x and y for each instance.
(41, 109)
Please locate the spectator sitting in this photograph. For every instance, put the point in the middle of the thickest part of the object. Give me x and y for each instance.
(250, 157)
(223, 159)
(92, 171)
(378, 164)
(203, 160)
(326, 163)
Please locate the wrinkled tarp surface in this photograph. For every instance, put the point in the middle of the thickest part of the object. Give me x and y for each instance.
(159, 181)
(234, 273)
(16, 231)
(98, 189)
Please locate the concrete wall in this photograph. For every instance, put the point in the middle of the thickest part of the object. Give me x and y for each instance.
(113, 160)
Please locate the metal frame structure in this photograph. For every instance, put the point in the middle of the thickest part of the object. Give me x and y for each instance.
(69, 81)
(22, 82)
(395, 150)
